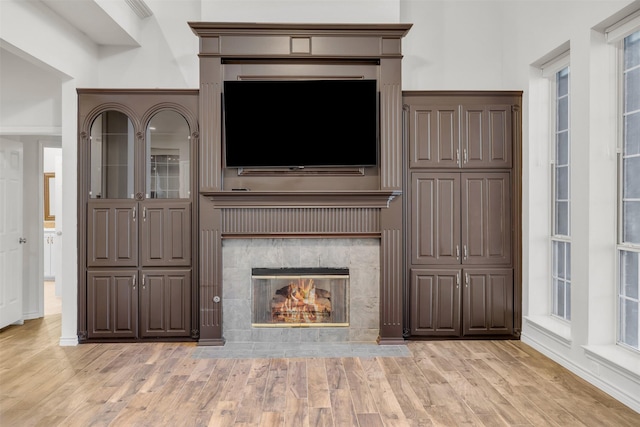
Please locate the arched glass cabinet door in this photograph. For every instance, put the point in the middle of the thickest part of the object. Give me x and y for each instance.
(112, 156)
(168, 157)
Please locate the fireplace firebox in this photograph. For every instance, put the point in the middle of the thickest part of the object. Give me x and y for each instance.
(300, 297)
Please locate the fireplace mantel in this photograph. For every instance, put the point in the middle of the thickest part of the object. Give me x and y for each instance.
(332, 204)
(307, 199)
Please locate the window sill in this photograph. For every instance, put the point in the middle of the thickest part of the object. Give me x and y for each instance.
(551, 327)
(624, 362)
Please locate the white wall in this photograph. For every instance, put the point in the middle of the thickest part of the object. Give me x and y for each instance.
(453, 45)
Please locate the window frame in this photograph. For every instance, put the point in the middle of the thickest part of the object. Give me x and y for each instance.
(621, 245)
(550, 71)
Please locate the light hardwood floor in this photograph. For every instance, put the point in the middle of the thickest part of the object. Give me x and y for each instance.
(449, 383)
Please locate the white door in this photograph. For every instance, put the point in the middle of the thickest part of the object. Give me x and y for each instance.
(11, 237)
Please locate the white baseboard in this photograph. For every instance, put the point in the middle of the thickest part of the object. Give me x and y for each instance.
(68, 341)
(623, 396)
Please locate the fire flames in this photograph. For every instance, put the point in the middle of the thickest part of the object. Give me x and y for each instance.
(301, 302)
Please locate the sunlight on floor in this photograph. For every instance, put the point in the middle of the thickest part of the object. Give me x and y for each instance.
(52, 303)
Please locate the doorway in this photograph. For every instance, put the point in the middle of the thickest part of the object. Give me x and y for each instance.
(52, 230)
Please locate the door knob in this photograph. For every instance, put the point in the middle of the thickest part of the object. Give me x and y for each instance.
(22, 240)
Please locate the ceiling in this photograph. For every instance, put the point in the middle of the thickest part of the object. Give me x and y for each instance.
(89, 17)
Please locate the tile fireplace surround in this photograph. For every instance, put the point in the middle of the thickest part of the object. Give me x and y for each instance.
(360, 255)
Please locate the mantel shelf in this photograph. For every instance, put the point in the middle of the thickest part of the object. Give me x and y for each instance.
(302, 199)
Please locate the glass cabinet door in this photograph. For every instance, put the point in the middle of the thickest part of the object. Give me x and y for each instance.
(112, 156)
(168, 157)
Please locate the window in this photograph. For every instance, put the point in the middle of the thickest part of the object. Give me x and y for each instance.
(561, 195)
(629, 205)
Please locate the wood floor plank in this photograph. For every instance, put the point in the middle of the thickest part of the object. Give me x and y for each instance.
(336, 376)
(272, 419)
(320, 417)
(370, 420)
(363, 402)
(343, 413)
(296, 411)
(318, 385)
(224, 414)
(250, 407)
(388, 407)
(210, 394)
(275, 391)
(297, 378)
(440, 383)
(411, 404)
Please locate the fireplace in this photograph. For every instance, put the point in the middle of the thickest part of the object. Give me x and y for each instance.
(300, 297)
(356, 258)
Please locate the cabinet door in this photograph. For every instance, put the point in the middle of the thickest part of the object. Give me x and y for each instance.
(435, 218)
(112, 304)
(166, 233)
(49, 271)
(486, 136)
(435, 302)
(488, 302)
(112, 233)
(165, 303)
(434, 136)
(486, 218)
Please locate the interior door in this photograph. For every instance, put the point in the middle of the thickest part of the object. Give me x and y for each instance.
(11, 241)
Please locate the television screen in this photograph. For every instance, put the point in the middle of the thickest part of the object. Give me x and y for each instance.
(300, 123)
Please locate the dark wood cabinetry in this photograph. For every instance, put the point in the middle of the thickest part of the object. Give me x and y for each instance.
(112, 303)
(459, 136)
(461, 229)
(136, 215)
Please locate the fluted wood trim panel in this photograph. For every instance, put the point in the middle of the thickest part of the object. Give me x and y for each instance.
(210, 286)
(391, 159)
(301, 221)
(391, 287)
(210, 124)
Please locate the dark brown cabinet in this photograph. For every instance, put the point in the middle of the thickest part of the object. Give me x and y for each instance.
(165, 303)
(435, 302)
(112, 304)
(488, 302)
(460, 218)
(461, 215)
(136, 212)
(112, 233)
(459, 136)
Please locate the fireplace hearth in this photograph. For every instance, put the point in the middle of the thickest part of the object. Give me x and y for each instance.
(300, 297)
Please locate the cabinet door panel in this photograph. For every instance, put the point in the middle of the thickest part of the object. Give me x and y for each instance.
(435, 302)
(486, 136)
(166, 233)
(112, 234)
(112, 304)
(165, 303)
(486, 218)
(434, 136)
(488, 302)
(435, 201)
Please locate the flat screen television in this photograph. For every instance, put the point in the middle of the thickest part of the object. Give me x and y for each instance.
(300, 123)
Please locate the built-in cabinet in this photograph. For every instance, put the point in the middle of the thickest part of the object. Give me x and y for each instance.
(137, 214)
(461, 214)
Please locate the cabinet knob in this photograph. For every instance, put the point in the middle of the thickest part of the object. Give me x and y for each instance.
(22, 240)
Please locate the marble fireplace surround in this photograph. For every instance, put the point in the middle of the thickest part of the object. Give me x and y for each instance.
(360, 255)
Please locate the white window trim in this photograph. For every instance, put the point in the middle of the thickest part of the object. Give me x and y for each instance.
(550, 68)
(615, 35)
